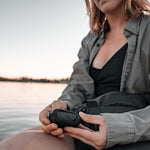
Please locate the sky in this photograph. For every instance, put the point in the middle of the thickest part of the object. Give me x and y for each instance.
(41, 38)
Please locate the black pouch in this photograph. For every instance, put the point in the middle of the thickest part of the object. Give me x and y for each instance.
(91, 107)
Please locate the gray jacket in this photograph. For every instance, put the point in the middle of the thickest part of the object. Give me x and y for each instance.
(127, 127)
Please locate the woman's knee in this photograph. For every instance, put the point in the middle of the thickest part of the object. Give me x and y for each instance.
(34, 139)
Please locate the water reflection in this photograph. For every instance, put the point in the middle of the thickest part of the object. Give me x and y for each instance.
(20, 104)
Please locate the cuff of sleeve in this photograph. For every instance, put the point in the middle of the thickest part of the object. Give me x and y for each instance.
(69, 104)
(120, 129)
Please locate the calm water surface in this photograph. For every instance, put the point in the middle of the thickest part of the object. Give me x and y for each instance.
(20, 104)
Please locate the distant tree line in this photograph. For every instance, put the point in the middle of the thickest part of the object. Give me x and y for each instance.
(26, 79)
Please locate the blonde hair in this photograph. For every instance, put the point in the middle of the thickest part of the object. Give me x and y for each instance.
(133, 9)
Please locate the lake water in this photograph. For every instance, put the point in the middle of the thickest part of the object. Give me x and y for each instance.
(20, 104)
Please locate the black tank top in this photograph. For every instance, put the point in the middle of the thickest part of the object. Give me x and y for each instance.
(108, 78)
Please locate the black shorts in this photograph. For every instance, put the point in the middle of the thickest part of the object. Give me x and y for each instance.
(134, 146)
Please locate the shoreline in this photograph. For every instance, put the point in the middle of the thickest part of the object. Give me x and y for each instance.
(31, 80)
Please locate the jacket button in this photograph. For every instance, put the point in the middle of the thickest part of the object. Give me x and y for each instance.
(98, 45)
(84, 110)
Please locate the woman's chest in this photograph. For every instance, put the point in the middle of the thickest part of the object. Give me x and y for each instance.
(108, 50)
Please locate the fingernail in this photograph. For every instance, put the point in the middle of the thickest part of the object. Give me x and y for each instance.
(65, 129)
(46, 122)
(52, 126)
(81, 113)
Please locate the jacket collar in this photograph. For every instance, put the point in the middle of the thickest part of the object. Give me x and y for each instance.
(132, 25)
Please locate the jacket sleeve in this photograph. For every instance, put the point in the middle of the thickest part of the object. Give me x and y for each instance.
(81, 85)
(128, 127)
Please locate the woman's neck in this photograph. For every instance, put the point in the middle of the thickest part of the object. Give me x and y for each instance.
(117, 20)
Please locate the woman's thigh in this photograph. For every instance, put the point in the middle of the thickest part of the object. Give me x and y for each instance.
(36, 139)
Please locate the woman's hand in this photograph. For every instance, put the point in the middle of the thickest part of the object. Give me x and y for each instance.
(47, 126)
(96, 139)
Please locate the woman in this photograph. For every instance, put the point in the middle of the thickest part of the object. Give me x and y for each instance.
(115, 56)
